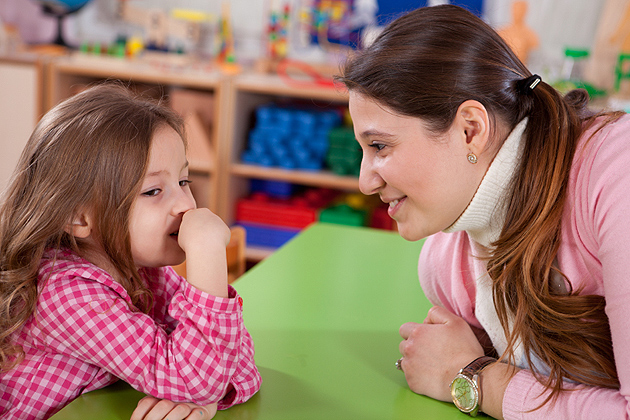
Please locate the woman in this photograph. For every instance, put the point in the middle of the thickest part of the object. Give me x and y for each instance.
(523, 193)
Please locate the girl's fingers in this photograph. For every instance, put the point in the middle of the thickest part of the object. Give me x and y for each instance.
(202, 413)
(144, 406)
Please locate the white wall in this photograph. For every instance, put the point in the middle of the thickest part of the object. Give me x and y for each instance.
(559, 23)
(17, 115)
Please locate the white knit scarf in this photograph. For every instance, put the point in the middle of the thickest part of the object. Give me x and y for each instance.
(483, 220)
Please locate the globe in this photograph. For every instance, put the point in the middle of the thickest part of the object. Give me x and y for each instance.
(60, 9)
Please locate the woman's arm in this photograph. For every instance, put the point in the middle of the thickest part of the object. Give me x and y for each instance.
(434, 352)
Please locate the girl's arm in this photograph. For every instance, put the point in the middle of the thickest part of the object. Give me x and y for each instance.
(207, 354)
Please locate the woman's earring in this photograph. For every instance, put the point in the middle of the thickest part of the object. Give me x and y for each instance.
(472, 158)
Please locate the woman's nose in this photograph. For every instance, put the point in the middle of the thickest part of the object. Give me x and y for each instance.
(370, 182)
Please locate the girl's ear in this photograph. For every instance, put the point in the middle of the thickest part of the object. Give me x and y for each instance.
(473, 124)
(81, 226)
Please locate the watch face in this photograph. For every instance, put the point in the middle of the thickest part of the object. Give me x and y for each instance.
(464, 394)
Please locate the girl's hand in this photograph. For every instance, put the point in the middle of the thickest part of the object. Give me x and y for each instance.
(433, 352)
(203, 236)
(202, 228)
(150, 408)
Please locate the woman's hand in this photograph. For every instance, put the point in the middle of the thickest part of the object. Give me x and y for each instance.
(433, 352)
(150, 408)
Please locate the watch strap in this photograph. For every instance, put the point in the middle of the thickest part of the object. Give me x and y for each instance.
(477, 365)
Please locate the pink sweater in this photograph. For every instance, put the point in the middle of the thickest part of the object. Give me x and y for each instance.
(594, 251)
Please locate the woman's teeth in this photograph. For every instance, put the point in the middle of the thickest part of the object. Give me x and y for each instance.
(393, 203)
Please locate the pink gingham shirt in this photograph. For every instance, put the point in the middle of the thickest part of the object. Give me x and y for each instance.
(86, 334)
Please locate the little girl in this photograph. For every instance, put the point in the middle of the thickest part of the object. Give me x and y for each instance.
(98, 209)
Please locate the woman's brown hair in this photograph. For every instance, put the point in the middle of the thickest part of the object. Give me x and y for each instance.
(428, 62)
(90, 152)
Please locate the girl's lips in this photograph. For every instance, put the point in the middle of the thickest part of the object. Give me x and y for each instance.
(394, 206)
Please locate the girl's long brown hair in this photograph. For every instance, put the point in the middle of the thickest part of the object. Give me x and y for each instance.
(88, 153)
(428, 62)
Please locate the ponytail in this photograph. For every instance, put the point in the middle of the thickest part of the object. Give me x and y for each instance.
(568, 332)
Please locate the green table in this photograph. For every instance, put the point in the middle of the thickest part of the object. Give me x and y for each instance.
(324, 312)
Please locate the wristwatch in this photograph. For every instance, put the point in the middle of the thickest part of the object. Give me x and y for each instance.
(466, 389)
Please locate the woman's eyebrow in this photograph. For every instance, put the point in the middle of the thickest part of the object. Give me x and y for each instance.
(376, 133)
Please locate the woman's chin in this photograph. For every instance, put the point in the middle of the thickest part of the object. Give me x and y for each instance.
(411, 235)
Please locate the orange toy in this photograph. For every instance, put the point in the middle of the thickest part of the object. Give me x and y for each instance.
(520, 37)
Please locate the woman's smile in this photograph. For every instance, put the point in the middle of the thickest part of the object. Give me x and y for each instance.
(395, 205)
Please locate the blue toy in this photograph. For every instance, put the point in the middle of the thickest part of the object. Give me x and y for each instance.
(290, 138)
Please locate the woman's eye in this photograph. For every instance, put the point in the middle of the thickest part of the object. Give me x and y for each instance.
(185, 182)
(152, 193)
(377, 146)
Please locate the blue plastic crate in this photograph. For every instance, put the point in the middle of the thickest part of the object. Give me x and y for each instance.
(267, 236)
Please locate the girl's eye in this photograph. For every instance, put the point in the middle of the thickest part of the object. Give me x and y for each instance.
(152, 193)
(185, 182)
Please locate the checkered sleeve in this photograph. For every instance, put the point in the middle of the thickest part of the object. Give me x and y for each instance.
(207, 358)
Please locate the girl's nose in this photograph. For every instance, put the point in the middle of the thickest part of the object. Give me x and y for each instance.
(370, 182)
(183, 201)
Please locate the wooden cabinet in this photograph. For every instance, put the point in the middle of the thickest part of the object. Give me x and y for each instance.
(198, 94)
(247, 92)
(233, 102)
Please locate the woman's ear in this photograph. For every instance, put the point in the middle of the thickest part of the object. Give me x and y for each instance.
(473, 123)
(81, 225)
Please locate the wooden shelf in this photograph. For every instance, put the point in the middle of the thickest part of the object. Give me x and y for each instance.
(138, 70)
(69, 74)
(274, 85)
(236, 98)
(257, 253)
(323, 179)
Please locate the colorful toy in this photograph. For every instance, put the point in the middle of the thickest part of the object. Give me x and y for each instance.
(301, 74)
(343, 214)
(344, 154)
(226, 56)
(572, 74)
(380, 219)
(270, 221)
(621, 71)
(290, 138)
(182, 25)
(277, 32)
(274, 189)
(262, 209)
(520, 37)
(266, 236)
(330, 24)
